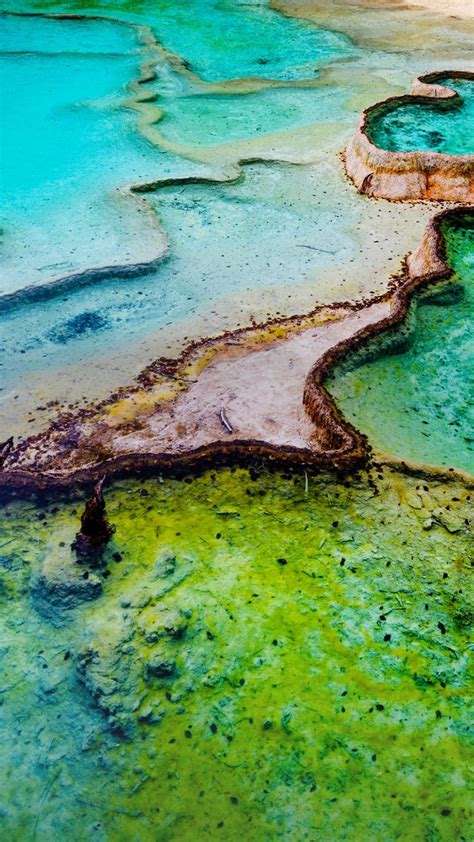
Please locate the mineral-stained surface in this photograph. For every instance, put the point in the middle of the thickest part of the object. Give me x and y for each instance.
(279, 656)
(260, 391)
(273, 652)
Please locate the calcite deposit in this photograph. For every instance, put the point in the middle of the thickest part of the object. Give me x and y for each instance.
(256, 392)
(235, 592)
(414, 175)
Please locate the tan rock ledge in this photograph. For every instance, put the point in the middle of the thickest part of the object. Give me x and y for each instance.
(407, 176)
(256, 392)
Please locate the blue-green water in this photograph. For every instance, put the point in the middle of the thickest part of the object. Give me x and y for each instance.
(209, 120)
(316, 664)
(67, 147)
(57, 98)
(214, 251)
(418, 404)
(64, 210)
(226, 39)
(437, 126)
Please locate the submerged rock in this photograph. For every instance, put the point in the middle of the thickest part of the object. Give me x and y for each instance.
(156, 667)
(62, 585)
(95, 531)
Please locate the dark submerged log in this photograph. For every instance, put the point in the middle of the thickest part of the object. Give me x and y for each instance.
(95, 530)
(5, 447)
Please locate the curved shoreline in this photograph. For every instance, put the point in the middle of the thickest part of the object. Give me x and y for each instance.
(407, 176)
(451, 8)
(184, 395)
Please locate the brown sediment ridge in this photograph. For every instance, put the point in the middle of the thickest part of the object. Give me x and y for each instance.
(255, 392)
(408, 176)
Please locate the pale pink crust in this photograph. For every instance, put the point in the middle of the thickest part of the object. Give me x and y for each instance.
(409, 176)
(256, 392)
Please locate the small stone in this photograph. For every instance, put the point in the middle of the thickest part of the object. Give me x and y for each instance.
(413, 500)
(156, 668)
(151, 716)
(450, 522)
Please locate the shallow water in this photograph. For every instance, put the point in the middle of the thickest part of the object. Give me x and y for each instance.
(223, 40)
(258, 656)
(198, 119)
(417, 403)
(306, 237)
(436, 126)
(234, 675)
(67, 149)
(86, 221)
(62, 206)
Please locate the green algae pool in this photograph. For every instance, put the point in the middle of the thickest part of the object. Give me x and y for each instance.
(411, 392)
(254, 659)
(434, 125)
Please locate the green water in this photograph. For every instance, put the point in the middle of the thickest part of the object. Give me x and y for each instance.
(262, 662)
(437, 126)
(417, 403)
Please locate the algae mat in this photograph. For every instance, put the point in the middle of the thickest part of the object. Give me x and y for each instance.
(266, 656)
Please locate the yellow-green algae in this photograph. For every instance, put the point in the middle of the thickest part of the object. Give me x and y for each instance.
(270, 658)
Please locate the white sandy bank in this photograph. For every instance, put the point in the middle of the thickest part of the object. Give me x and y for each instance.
(457, 8)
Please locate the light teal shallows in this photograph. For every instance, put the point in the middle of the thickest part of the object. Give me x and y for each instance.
(223, 40)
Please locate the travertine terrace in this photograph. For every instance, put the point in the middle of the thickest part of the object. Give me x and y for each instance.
(410, 176)
(257, 392)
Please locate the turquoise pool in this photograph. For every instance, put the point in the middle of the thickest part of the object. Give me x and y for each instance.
(436, 126)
